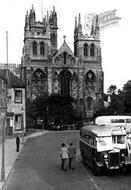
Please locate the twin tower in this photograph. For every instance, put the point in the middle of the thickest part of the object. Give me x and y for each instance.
(49, 70)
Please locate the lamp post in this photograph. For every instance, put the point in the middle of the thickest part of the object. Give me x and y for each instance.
(22, 142)
(22, 109)
(3, 147)
(3, 112)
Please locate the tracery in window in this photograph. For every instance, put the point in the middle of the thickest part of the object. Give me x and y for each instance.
(34, 48)
(39, 83)
(38, 76)
(92, 50)
(42, 48)
(85, 49)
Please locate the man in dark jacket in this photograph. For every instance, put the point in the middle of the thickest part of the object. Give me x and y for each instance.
(17, 143)
(72, 155)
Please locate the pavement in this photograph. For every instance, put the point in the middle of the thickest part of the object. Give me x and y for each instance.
(11, 155)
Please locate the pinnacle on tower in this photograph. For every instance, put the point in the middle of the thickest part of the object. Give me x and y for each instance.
(53, 8)
(92, 28)
(97, 24)
(79, 20)
(47, 16)
(27, 21)
(53, 17)
(26, 17)
(75, 22)
(32, 15)
(32, 8)
(79, 24)
(95, 27)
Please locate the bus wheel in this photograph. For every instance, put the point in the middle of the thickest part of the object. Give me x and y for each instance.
(127, 171)
(97, 169)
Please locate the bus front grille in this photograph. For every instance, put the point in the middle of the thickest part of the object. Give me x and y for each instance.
(114, 159)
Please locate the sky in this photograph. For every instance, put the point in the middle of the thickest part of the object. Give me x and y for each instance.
(115, 40)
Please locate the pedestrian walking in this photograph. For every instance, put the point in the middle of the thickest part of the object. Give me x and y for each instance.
(129, 147)
(72, 155)
(64, 156)
(17, 143)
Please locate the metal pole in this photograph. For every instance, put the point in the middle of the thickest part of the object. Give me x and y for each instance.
(22, 126)
(7, 48)
(3, 149)
(22, 133)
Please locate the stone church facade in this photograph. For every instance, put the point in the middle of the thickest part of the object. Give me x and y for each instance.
(47, 69)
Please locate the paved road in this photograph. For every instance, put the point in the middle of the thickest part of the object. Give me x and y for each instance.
(39, 168)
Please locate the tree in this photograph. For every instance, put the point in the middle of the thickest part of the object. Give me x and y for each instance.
(127, 97)
(31, 115)
(120, 99)
(112, 89)
(61, 109)
(58, 109)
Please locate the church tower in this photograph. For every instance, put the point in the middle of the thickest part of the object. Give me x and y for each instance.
(40, 43)
(87, 49)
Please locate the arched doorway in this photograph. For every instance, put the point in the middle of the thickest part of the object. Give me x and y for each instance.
(65, 80)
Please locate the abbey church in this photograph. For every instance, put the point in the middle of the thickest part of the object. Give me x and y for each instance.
(47, 69)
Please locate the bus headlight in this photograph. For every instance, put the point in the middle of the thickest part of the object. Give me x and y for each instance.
(122, 154)
(105, 155)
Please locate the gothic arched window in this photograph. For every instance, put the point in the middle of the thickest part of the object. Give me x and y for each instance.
(38, 76)
(42, 48)
(34, 48)
(39, 83)
(90, 77)
(92, 50)
(85, 49)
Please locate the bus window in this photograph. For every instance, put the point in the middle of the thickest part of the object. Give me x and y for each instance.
(117, 121)
(91, 141)
(87, 139)
(118, 139)
(128, 120)
(95, 143)
(103, 141)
